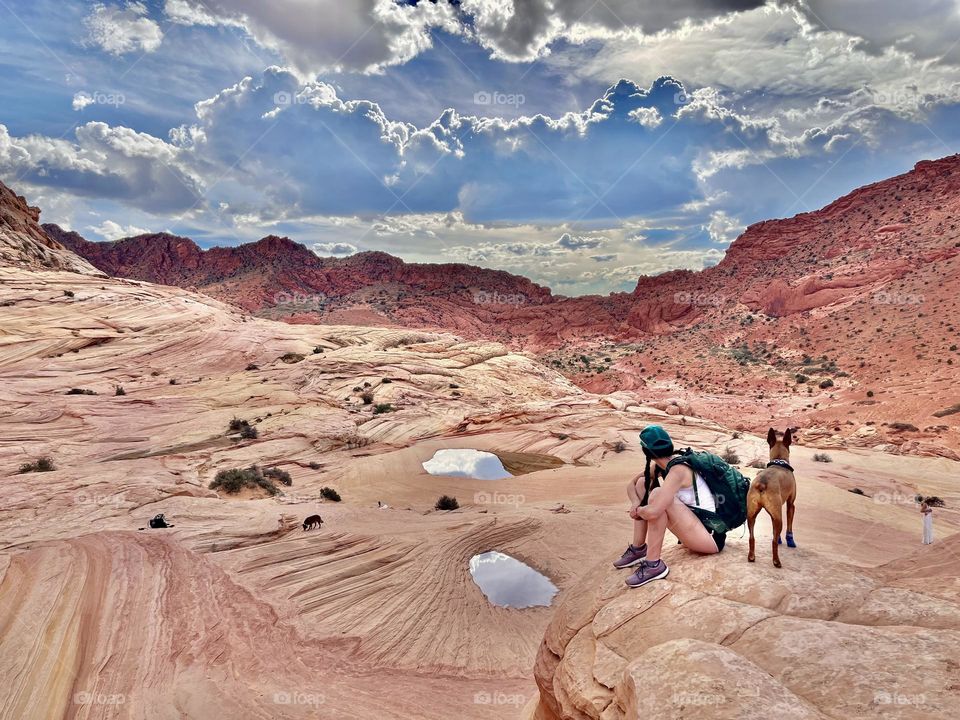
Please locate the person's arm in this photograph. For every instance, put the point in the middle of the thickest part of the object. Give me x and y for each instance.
(634, 497)
(678, 477)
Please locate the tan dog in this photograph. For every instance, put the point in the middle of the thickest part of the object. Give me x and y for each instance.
(770, 489)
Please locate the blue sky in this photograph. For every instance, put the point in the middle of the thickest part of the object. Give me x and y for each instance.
(579, 142)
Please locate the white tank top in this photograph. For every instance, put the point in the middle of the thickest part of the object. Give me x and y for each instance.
(687, 496)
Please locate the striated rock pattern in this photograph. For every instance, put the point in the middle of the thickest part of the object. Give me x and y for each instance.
(723, 639)
(832, 320)
(237, 611)
(23, 243)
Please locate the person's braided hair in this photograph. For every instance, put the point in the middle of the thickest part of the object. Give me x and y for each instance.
(649, 483)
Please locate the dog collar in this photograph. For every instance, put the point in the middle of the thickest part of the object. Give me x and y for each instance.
(781, 463)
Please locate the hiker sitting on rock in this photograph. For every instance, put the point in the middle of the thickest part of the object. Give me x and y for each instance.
(696, 495)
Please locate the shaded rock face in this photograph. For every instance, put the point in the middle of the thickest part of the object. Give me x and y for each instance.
(24, 244)
(723, 639)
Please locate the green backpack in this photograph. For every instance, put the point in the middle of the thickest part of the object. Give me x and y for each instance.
(728, 486)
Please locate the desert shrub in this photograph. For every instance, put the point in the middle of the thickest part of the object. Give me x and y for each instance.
(801, 379)
(824, 384)
(730, 457)
(758, 463)
(822, 457)
(118, 390)
(386, 381)
(246, 430)
(869, 393)
(743, 354)
(737, 435)
(236, 479)
(619, 446)
(314, 465)
(350, 438)
(328, 493)
(903, 427)
(857, 491)
(383, 408)
(367, 397)
(317, 350)
(291, 357)
(278, 475)
(68, 293)
(445, 502)
(454, 386)
(80, 391)
(252, 366)
(173, 381)
(42, 464)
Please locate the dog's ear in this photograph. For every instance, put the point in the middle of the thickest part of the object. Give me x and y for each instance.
(787, 437)
(771, 437)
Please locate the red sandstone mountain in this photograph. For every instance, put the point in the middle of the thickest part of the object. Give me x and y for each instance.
(843, 319)
(280, 278)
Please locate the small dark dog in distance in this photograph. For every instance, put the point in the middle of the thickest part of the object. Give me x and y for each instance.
(770, 489)
(312, 522)
(158, 521)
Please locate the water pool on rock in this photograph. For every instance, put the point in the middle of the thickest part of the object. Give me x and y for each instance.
(507, 582)
(475, 464)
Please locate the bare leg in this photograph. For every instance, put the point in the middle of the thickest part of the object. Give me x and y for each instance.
(681, 521)
(656, 529)
(635, 493)
(639, 532)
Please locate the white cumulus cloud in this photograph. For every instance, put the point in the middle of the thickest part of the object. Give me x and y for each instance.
(119, 30)
(109, 230)
(334, 248)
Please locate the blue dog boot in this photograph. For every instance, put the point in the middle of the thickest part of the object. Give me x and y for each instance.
(790, 541)
(779, 540)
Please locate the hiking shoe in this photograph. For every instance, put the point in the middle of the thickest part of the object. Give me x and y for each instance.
(647, 572)
(631, 557)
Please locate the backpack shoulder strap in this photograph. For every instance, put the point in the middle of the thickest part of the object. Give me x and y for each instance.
(686, 457)
(683, 458)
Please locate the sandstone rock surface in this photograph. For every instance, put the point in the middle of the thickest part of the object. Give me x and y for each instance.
(855, 298)
(720, 638)
(23, 243)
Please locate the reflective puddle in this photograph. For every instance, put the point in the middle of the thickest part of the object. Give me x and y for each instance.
(507, 582)
(474, 464)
